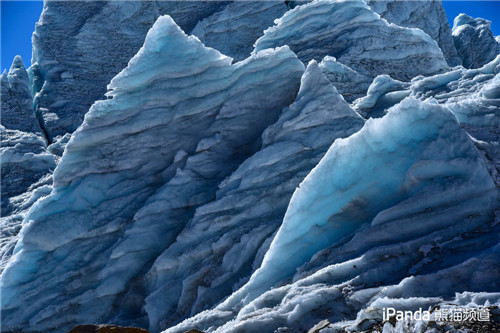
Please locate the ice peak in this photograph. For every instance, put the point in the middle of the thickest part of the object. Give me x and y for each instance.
(313, 77)
(464, 19)
(17, 63)
(168, 49)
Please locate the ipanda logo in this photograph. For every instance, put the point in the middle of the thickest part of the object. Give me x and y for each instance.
(409, 315)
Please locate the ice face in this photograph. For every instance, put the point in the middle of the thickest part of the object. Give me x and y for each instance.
(415, 171)
(25, 162)
(249, 206)
(176, 95)
(172, 194)
(26, 176)
(349, 83)
(453, 88)
(471, 94)
(426, 15)
(357, 37)
(474, 41)
(234, 29)
(17, 102)
(78, 47)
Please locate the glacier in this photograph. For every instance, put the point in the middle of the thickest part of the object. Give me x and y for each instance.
(115, 183)
(474, 41)
(257, 193)
(338, 228)
(357, 37)
(426, 15)
(26, 163)
(78, 47)
(243, 166)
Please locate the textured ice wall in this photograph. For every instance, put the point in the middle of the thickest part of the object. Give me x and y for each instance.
(474, 41)
(348, 82)
(26, 175)
(426, 15)
(17, 102)
(226, 239)
(20, 127)
(357, 37)
(234, 29)
(471, 94)
(406, 201)
(175, 97)
(79, 46)
(23, 155)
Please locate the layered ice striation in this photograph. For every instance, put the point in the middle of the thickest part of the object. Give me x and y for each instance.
(26, 176)
(17, 102)
(414, 170)
(455, 87)
(349, 83)
(79, 46)
(471, 94)
(234, 29)
(226, 239)
(474, 41)
(25, 162)
(357, 37)
(23, 155)
(245, 192)
(168, 112)
(426, 15)
(382, 93)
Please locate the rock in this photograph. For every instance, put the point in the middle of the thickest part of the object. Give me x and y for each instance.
(106, 329)
(319, 326)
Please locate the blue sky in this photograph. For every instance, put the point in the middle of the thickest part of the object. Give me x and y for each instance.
(18, 20)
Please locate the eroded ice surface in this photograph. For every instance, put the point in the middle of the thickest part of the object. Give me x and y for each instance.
(17, 102)
(25, 162)
(357, 37)
(474, 41)
(227, 238)
(234, 29)
(173, 104)
(426, 15)
(414, 170)
(171, 193)
(78, 47)
(471, 94)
